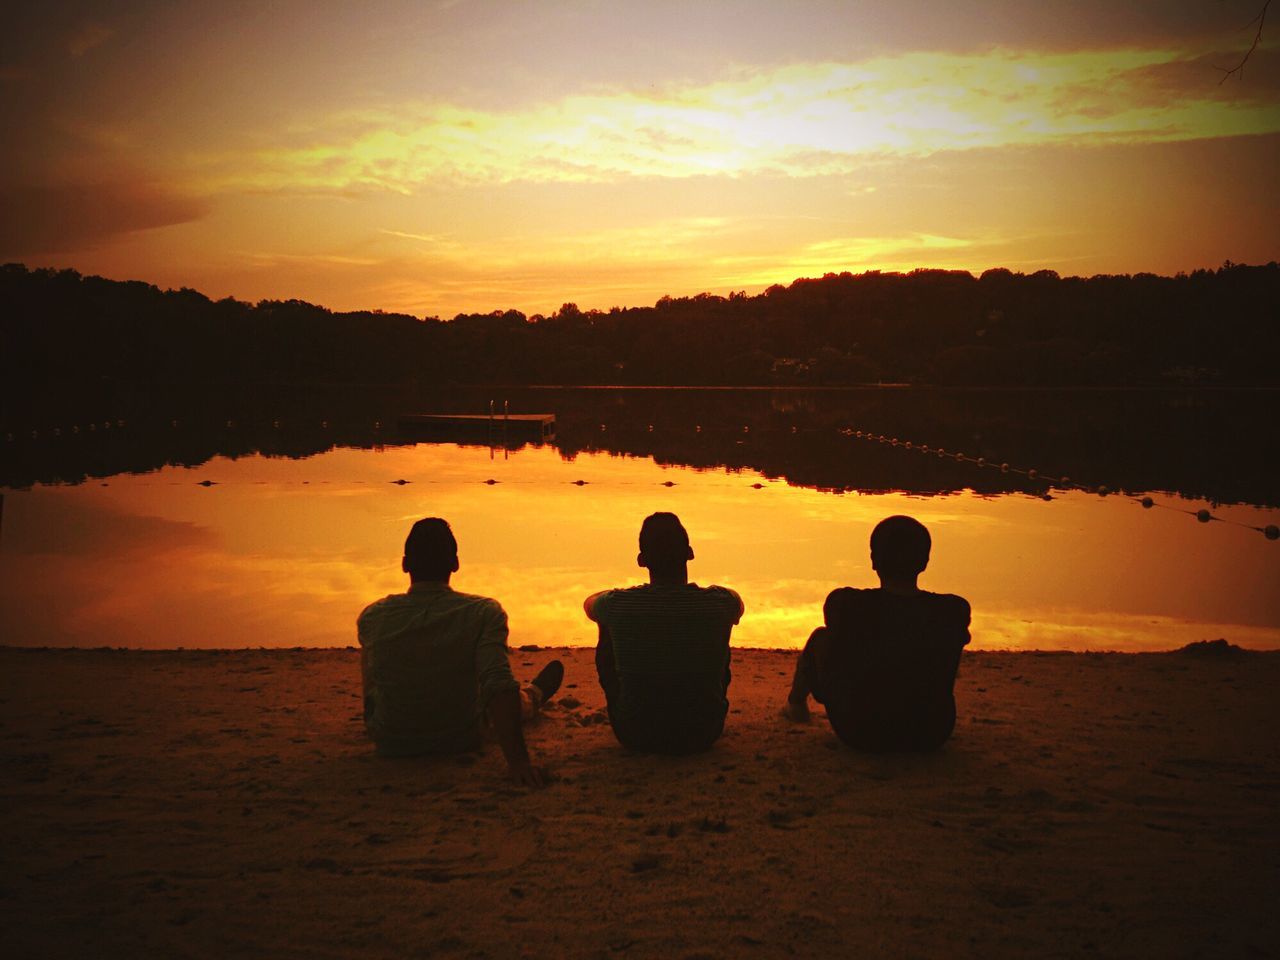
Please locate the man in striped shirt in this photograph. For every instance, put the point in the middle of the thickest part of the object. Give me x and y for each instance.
(663, 653)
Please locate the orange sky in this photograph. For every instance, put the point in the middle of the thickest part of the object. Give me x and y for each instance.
(450, 156)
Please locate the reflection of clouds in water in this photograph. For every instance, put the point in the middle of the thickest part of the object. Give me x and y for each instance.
(186, 596)
(265, 559)
(1081, 630)
(67, 522)
(545, 605)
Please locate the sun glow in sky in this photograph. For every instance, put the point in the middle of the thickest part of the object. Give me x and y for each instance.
(470, 156)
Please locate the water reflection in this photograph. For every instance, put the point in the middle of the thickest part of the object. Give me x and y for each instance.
(285, 552)
(1210, 445)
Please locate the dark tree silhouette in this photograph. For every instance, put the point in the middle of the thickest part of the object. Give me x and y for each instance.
(1238, 69)
(62, 331)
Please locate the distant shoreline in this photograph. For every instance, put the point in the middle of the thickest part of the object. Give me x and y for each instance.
(1230, 651)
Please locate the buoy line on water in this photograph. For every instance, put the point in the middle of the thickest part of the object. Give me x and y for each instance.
(1270, 531)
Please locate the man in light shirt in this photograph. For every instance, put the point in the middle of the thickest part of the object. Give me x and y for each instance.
(434, 664)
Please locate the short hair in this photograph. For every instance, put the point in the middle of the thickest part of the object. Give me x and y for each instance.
(900, 546)
(663, 539)
(430, 550)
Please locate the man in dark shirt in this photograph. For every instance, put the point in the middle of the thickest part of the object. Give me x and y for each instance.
(663, 654)
(885, 664)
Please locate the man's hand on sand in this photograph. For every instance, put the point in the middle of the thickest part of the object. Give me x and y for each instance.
(796, 712)
(527, 775)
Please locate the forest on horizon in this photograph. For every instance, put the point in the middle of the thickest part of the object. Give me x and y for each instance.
(935, 327)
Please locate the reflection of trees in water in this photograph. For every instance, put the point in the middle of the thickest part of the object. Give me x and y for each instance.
(1209, 445)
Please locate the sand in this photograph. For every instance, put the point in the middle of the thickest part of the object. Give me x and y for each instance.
(213, 804)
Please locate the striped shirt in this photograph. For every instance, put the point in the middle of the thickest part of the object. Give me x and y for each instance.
(665, 652)
(431, 660)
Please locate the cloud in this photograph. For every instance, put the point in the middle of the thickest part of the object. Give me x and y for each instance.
(59, 218)
(86, 36)
(801, 120)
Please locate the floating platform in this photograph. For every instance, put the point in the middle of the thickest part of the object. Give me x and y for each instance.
(481, 426)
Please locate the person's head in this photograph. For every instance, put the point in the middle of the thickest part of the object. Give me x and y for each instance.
(430, 551)
(900, 548)
(664, 544)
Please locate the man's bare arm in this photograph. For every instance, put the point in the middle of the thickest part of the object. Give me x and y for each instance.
(504, 714)
(589, 604)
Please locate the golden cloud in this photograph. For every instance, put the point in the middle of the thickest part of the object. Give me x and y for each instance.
(801, 120)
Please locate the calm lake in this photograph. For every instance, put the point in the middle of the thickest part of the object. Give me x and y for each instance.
(265, 518)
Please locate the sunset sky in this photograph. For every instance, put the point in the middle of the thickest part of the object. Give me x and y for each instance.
(463, 155)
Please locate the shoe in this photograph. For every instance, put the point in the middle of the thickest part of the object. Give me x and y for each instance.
(548, 679)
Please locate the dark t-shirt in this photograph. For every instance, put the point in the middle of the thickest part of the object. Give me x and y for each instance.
(890, 665)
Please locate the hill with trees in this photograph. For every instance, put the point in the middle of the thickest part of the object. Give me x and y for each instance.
(925, 327)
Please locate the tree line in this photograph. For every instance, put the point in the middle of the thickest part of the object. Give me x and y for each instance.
(925, 327)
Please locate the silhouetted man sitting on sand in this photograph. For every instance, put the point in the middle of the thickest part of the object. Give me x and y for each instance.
(435, 664)
(885, 663)
(663, 655)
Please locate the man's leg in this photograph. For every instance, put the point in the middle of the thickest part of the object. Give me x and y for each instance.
(808, 677)
(606, 672)
(540, 689)
(530, 702)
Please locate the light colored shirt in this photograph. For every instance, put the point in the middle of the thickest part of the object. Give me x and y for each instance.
(431, 660)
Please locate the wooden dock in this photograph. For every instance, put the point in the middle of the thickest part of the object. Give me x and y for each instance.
(482, 426)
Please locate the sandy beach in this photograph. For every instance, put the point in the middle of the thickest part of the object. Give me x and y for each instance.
(213, 804)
